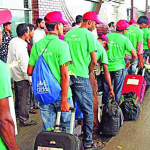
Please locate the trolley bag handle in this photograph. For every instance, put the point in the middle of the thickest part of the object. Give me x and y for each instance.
(137, 70)
(71, 121)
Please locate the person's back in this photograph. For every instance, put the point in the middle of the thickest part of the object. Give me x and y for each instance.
(134, 33)
(146, 33)
(117, 45)
(81, 43)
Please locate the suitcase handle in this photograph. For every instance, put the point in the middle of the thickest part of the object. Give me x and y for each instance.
(71, 121)
(137, 69)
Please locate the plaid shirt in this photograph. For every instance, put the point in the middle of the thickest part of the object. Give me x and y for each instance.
(5, 42)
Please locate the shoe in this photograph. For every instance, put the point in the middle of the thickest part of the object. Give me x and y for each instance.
(28, 123)
(32, 111)
(96, 145)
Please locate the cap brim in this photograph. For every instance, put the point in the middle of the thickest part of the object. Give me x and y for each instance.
(5, 16)
(64, 22)
(99, 22)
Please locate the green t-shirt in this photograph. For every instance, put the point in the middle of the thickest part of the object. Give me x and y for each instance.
(146, 32)
(5, 81)
(101, 53)
(81, 43)
(2, 145)
(56, 54)
(117, 44)
(135, 35)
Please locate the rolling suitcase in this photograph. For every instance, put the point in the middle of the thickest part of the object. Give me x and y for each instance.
(135, 83)
(58, 140)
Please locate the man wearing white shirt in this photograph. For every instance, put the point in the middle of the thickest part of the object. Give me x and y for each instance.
(39, 33)
(18, 53)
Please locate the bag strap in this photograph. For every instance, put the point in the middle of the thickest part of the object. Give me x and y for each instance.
(44, 48)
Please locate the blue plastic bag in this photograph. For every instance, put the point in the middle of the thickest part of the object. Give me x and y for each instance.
(46, 88)
(78, 113)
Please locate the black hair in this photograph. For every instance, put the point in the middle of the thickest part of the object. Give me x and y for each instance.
(110, 24)
(38, 20)
(119, 30)
(31, 27)
(50, 26)
(5, 24)
(79, 18)
(142, 19)
(21, 29)
(73, 24)
(85, 20)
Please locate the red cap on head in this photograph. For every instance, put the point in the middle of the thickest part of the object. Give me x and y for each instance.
(91, 15)
(122, 24)
(54, 16)
(106, 39)
(132, 21)
(5, 16)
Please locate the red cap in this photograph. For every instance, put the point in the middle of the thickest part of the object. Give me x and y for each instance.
(91, 15)
(132, 21)
(54, 17)
(5, 16)
(106, 39)
(122, 24)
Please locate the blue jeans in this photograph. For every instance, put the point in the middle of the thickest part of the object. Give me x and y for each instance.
(49, 113)
(118, 78)
(132, 68)
(146, 54)
(82, 90)
(4, 59)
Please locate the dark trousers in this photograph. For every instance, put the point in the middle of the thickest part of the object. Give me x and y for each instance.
(22, 98)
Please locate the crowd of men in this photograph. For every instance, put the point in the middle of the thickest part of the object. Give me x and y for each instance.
(117, 53)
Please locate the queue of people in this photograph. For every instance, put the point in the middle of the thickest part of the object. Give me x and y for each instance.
(117, 53)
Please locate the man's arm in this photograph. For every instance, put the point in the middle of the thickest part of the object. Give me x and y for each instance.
(93, 62)
(134, 57)
(140, 54)
(65, 106)
(7, 128)
(30, 70)
(108, 79)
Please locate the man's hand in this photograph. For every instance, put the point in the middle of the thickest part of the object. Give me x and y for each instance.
(65, 106)
(128, 64)
(111, 93)
(141, 64)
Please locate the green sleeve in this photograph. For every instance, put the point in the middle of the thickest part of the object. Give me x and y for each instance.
(91, 42)
(128, 45)
(64, 54)
(33, 56)
(140, 36)
(148, 36)
(5, 84)
(104, 57)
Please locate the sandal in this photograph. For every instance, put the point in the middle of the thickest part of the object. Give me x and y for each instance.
(27, 123)
(32, 111)
(96, 145)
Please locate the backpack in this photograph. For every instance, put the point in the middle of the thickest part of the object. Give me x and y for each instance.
(46, 88)
(112, 118)
(130, 106)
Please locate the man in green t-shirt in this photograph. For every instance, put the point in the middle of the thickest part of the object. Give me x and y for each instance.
(82, 46)
(135, 35)
(7, 128)
(117, 45)
(57, 56)
(143, 23)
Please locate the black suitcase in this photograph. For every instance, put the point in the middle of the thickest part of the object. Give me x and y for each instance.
(57, 140)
